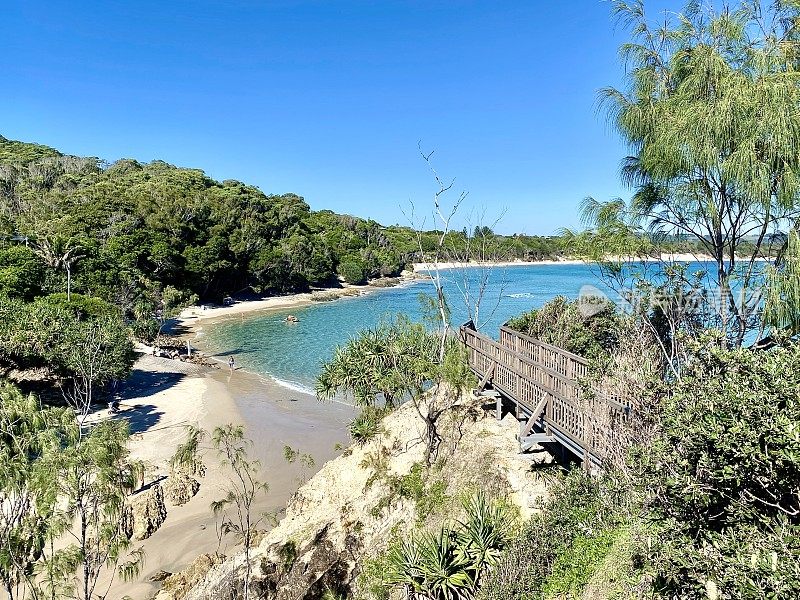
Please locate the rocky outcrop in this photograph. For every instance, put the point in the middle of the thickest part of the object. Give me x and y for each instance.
(145, 513)
(180, 488)
(179, 585)
(351, 509)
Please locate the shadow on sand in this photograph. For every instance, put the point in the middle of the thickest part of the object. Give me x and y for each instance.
(141, 418)
(146, 383)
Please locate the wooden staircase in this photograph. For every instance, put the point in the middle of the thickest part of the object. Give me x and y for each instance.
(546, 386)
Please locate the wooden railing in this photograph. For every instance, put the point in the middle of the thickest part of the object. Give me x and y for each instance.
(550, 387)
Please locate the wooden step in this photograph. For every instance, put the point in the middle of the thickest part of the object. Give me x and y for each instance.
(535, 439)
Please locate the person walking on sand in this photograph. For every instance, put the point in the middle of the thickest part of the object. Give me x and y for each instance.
(231, 363)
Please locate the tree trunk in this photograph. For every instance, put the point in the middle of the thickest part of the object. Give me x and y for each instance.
(86, 595)
(433, 439)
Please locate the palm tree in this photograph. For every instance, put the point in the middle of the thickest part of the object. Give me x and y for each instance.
(59, 252)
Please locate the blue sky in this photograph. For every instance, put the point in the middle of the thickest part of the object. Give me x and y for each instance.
(328, 98)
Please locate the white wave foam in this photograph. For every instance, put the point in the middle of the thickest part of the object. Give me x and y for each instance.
(304, 389)
(293, 385)
(520, 295)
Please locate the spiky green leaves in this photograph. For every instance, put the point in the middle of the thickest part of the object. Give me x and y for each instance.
(448, 564)
(382, 365)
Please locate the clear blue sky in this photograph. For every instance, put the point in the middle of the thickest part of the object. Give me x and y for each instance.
(328, 99)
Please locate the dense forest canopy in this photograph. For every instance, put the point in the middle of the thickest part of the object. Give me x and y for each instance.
(128, 231)
(149, 238)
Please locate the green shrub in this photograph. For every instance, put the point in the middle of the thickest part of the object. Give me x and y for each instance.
(575, 565)
(580, 515)
(353, 270)
(372, 579)
(288, 555)
(452, 562)
(724, 477)
(590, 333)
(81, 306)
(146, 328)
(428, 496)
(367, 424)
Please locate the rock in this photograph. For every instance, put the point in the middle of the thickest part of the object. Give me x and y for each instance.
(180, 488)
(145, 513)
(160, 576)
(175, 587)
(320, 568)
(385, 282)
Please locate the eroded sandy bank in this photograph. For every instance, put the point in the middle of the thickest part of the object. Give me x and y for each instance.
(163, 396)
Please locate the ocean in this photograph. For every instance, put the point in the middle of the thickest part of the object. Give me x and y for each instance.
(292, 353)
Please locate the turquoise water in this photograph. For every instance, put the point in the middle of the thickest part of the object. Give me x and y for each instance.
(293, 353)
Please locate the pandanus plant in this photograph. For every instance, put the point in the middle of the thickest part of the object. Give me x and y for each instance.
(449, 564)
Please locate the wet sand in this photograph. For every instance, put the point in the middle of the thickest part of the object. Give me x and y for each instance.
(163, 395)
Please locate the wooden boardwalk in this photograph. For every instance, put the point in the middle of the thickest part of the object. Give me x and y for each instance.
(548, 387)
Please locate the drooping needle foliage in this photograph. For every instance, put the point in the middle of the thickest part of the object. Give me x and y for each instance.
(710, 116)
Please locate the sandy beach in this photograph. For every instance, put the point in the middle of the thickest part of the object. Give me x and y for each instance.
(423, 267)
(162, 396)
(194, 314)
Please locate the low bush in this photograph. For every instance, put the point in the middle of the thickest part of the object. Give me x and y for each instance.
(589, 330)
(452, 562)
(559, 549)
(723, 479)
(367, 424)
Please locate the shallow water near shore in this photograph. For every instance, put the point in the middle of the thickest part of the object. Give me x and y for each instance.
(292, 353)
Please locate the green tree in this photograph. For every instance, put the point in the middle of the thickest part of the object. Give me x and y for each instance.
(710, 115)
(353, 270)
(395, 362)
(237, 507)
(93, 353)
(31, 439)
(782, 302)
(381, 366)
(94, 478)
(22, 272)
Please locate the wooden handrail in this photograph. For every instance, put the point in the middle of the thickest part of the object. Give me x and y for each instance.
(494, 343)
(527, 361)
(577, 358)
(530, 382)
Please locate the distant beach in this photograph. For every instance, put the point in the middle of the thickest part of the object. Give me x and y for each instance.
(422, 267)
(195, 314)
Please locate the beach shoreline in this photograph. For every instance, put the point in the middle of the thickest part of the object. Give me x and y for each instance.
(192, 315)
(163, 396)
(185, 324)
(425, 267)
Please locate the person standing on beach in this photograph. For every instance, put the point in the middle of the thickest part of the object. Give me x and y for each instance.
(231, 363)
